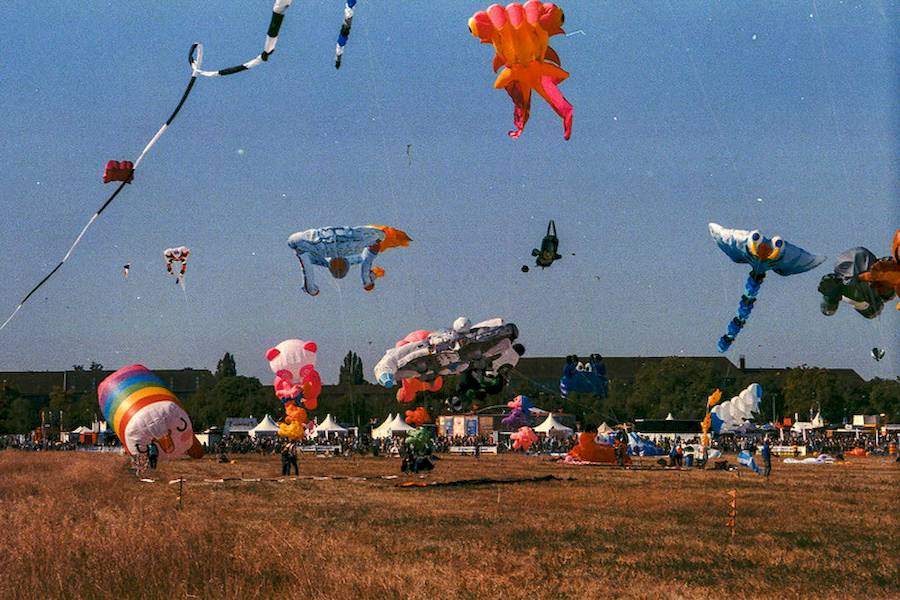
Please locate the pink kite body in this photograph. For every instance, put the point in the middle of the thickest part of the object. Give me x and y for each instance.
(520, 34)
(523, 438)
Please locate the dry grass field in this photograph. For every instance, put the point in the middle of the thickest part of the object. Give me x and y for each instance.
(82, 526)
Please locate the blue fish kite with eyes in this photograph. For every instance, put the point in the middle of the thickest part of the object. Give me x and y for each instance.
(763, 254)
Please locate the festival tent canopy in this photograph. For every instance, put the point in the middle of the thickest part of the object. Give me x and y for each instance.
(329, 425)
(669, 417)
(378, 432)
(604, 429)
(553, 427)
(396, 425)
(266, 427)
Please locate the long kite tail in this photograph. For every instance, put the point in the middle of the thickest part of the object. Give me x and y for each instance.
(195, 58)
(344, 34)
(278, 9)
(748, 299)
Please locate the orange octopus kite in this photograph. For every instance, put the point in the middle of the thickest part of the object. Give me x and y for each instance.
(520, 35)
(885, 274)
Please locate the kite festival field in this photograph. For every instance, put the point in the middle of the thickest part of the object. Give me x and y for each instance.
(82, 526)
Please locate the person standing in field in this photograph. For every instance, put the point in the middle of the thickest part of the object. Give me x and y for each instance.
(152, 454)
(766, 453)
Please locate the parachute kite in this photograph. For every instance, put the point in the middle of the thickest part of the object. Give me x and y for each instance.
(337, 248)
(523, 438)
(297, 383)
(520, 35)
(123, 171)
(885, 274)
(141, 409)
(482, 353)
(587, 377)
(118, 171)
(418, 417)
(763, 254)
(844, 283)
(177, 255)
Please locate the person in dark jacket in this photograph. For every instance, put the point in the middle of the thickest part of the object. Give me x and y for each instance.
(152, 454)
(766, 454)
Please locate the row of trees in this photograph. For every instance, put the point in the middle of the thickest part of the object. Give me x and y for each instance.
(675, 385)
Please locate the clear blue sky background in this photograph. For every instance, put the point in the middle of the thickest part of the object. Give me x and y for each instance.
(781, 116)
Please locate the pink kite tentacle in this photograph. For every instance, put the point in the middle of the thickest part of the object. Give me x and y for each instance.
(554, 98)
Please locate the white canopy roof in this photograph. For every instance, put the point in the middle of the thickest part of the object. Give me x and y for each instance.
(329, 425)
(397, 425)
(669, 417)
(551, 425)
(378, 432)
(604, 428)
(265, 427)
(81, 430)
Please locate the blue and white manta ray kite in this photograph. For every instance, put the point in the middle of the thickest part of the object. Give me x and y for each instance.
(763, 254)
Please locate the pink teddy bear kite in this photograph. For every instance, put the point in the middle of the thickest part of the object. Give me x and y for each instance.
(294, 365)
(523, 438)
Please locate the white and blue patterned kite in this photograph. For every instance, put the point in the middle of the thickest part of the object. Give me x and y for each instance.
(763, 254)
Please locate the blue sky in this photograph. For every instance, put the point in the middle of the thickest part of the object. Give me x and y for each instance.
(781, 116)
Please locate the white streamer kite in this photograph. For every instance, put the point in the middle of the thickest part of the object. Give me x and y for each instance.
(124, 172)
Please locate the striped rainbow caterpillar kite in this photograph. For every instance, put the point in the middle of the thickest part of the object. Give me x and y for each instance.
(141, 409)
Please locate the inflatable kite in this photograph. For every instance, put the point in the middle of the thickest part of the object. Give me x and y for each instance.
(418, 417)
(549, 250)
(523, 438)
(411, 386)
(297, 383)
(877, 353)
(123, 171)
(177, 255)
(520, 412)
(337, 248)
(733, 415)
(844, 283)
(885, 274)
(589, 450)
(763, 254)
(520, 35)
(139, 407)
(125, 269)
(484, 352)
(587, 377)
(745, 459)
(344, 33)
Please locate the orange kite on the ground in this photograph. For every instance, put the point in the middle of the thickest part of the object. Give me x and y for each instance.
(520, 34)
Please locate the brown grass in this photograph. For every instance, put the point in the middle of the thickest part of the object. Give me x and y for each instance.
(81, 526)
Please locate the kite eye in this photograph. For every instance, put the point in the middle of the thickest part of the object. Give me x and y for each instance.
(183, 426)
(777, 247)
(755, 236)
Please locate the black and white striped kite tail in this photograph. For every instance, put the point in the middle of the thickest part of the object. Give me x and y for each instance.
(278, 11)
(344, 34)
